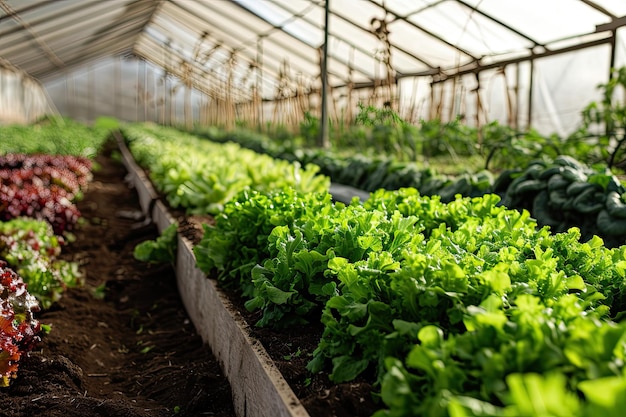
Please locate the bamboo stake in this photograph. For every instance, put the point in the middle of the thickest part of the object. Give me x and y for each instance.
(451, 112)
(413, 105)
(90, 93)
(509, 99)
(463, 108)
(145, 88)
(431, 101)
(349, 109)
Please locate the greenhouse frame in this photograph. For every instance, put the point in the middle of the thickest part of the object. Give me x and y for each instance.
(195, 61)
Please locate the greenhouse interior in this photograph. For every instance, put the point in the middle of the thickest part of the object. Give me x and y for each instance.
(313, 208)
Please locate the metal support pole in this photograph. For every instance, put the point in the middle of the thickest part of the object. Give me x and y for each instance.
(609, 125)
(117, 87)
(323, 139)
(91, 86)
(530, 94)
(259, 81)
(137, 91)
(613, 52)
(517, 101)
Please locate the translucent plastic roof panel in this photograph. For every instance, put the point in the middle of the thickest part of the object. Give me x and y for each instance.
(615, 7)
(199, 34)
(467, 30)
(544, 21)
(43, 36)
(222, 37)
(232, 40)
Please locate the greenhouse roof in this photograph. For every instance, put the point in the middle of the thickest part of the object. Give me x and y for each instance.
(250, 41)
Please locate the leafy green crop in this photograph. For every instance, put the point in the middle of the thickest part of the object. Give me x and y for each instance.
(32, 249)
(239, 240)
(564, 193)
(296, 282)
(200, 176)
(53, 136)
(161, 249)
(486, 296)
(451, 307)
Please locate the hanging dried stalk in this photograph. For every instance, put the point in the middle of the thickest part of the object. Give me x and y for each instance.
(245, 108)
(187, 73)
(452, 109)
(349, 110)
(380, 29)
(229, 101)
(412, 111)
(304, 90)
(284, 90)
(480, 109)
(463, 104)
(510, 99)
(435, 100)
(440, 101)
(257, 106)
(201, 54)
(374, 96)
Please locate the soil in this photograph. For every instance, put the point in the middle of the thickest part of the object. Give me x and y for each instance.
(122, 345)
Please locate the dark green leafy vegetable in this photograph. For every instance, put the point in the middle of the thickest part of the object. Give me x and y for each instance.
(32, 249)
(162, 249)
(567, 193)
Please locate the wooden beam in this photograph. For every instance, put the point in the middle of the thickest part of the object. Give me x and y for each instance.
(613, 25)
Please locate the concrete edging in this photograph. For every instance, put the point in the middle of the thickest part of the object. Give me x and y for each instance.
(258, 387)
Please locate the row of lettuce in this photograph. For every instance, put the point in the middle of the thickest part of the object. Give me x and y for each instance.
(43, 171)
(559, 191)
(451, 308)
(393, 154)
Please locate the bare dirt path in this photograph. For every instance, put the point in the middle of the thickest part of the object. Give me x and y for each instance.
(122, 345)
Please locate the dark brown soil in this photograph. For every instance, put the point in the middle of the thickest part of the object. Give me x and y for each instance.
(134, 352)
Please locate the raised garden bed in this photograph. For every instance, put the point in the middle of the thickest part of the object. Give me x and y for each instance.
(276, 380)
(404, 301)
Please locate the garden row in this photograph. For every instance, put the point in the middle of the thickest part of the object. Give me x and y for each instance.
(40, 179)
(558, 190)
(381, 150)
(461, 308)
